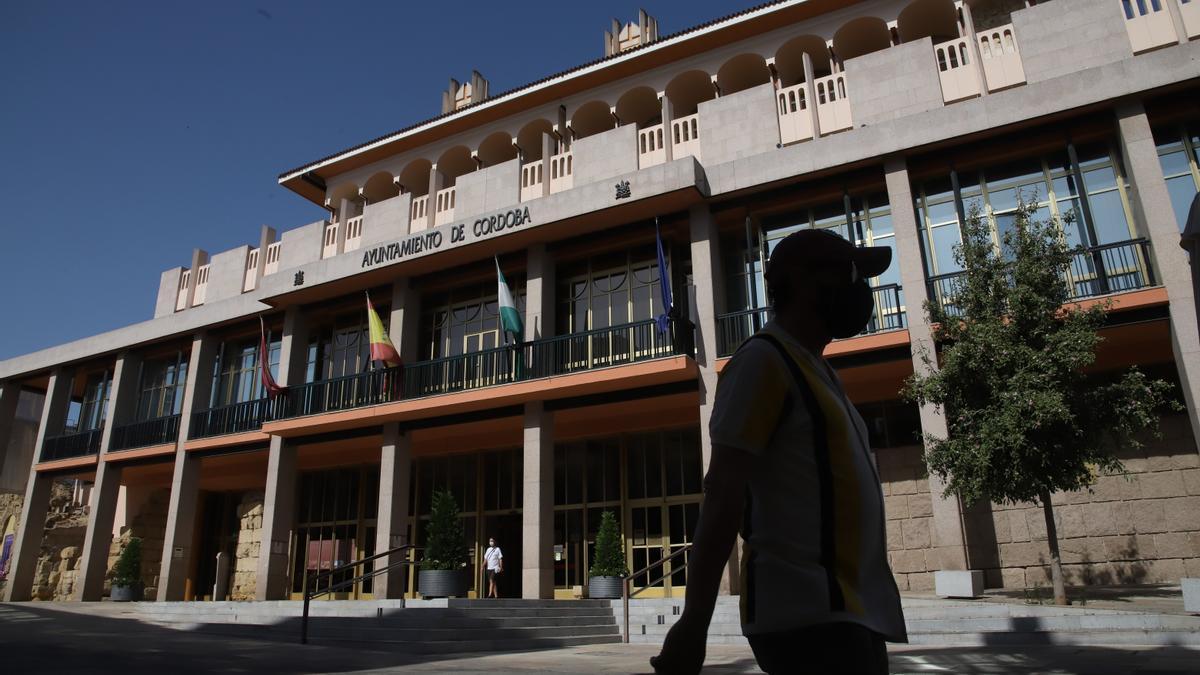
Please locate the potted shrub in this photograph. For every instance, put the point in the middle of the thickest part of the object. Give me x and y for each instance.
(608, 569)
(127, 573)
(444, 563)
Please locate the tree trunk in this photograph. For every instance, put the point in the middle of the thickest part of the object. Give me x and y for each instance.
(1056, 571)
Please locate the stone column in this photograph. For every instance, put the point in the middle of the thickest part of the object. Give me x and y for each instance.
(949, 544)
(279, 500)
(810, 93)
(395, 469)
(23, 561)
(185, 483)
(973, 47)
(709, 303)
(668, 117)
(10, 394)
(539, 293)
(122, 406)
(537, 507)
(547, 153)
(1152, 209)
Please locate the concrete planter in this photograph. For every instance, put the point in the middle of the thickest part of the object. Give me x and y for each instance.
(604, 588)
(123, 593)
(442, 583)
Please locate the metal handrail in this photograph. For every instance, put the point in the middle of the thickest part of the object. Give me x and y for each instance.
(309, 593)
(627, 580)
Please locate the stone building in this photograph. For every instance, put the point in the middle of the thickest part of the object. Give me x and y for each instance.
(882, 120)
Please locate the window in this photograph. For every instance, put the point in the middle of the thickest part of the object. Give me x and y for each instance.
(1179, 156)
(466, 320)
(162, 385)
(343, 348)
(610, 290)
(93, 409)
(237, 379)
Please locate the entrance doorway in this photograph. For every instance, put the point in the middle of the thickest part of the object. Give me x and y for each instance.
(218, 535)
(507, 531)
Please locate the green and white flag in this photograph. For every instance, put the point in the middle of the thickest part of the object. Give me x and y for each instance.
(510, 318)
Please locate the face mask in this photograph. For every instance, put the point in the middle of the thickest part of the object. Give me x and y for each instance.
(847, 308)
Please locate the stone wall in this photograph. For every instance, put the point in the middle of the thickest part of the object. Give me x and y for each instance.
(909, 510)
(245, 571)
(1143, 527)
(62, 545)
(150, 524)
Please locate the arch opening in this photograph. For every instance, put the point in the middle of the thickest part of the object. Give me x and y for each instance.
(529, 138)
(789, 60)
(592, 118)
(497, 148)
(455, 162)
(861, 36)
(742, 72)
(936, 19)
(688, 90)
(639, 106)
(414, 178)
(379, 187)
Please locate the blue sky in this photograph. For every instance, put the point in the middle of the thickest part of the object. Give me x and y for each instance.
(132, 132)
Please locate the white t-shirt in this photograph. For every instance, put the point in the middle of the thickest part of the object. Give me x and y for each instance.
(815, 550)
(492, 556)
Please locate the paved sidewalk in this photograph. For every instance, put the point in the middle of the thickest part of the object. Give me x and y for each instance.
(42, 638)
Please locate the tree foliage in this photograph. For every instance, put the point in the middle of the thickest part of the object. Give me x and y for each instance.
(128, 570)
(610, 550)
(445, 540)
(1024, 418)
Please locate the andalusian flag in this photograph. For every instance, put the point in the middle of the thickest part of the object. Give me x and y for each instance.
(510, 318)
(382, 348)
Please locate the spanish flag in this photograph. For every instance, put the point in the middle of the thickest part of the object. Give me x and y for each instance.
(382, 348)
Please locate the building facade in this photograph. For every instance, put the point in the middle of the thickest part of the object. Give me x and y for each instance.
(884, 121)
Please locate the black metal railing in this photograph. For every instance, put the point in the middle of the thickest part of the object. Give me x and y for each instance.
(734, 328)
(1095, 271)
(234, 418)
(75, 444)
(155, 431)
(339, 578)
(560, 355)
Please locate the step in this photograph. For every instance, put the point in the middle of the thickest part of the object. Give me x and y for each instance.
(386, 634)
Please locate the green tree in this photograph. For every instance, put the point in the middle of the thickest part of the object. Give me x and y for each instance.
(445, 542)
(1023, 418)
(128, 570)
(610, 550)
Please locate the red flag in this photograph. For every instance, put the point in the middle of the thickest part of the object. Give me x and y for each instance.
(264, 362)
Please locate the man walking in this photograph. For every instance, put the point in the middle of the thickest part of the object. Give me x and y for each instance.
(791, 467)
(493, 563)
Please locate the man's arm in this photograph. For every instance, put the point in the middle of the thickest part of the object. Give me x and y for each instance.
(720, 519)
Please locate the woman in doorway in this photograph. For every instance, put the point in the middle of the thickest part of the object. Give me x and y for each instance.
(493, 562)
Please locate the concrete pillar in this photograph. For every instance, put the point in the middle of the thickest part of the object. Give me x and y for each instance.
(1176, 20)
(668, 117)
(547, 153)
(395, 470)
(345, 209)
(28, 543)
(537, 508)
(1152, 208)
(279, 501)
(265, 238)
(122, 408)
(10, 394)
(185, 482)
(973, 47)
(949, 551)
(437, 182)
(539, 293)
(404, 324)
(199, 258)
(810, 93)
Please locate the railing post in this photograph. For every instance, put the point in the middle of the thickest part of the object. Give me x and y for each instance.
(1148, 262)
(304, 616)
(1101, 272)
(625, 604)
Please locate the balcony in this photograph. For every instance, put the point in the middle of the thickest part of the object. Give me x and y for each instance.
(272, 265)
(736, 327)
(562, 355)
(250, 279)
(77, 444)
(562, 172)
(795, 122)
(1149, 24)
(1096, 271)
(1001, 58)
(155, 431)
(232, 419)
(959, 79)
(1190, 12)
(651, 151)
(444, 206)
(685, 136)
(329, 241)
(833, 106)
(354, 230)
(418, 213)
(532, 180)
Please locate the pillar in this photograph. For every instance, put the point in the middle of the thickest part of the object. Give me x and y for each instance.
(279, 500)
(266, 237)
(185, 480)
(709, 302)
(537, 507)
(668, 118)
(539, 293)
(1152, 209)
(404, 322)
(10, 394)
(1177, 20)
(122, 406)
(810, 93)
(973, 47)
(28, 542)
(199, 258)
(949, 551)
(547, 153)
(345, 209)
(391, 530)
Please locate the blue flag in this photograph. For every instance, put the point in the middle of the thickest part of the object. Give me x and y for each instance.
(664, 285)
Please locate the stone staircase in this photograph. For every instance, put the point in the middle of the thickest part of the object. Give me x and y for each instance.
(950, 622)
(413, 626)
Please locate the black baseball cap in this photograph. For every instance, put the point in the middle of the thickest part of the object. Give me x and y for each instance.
(822, 248)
